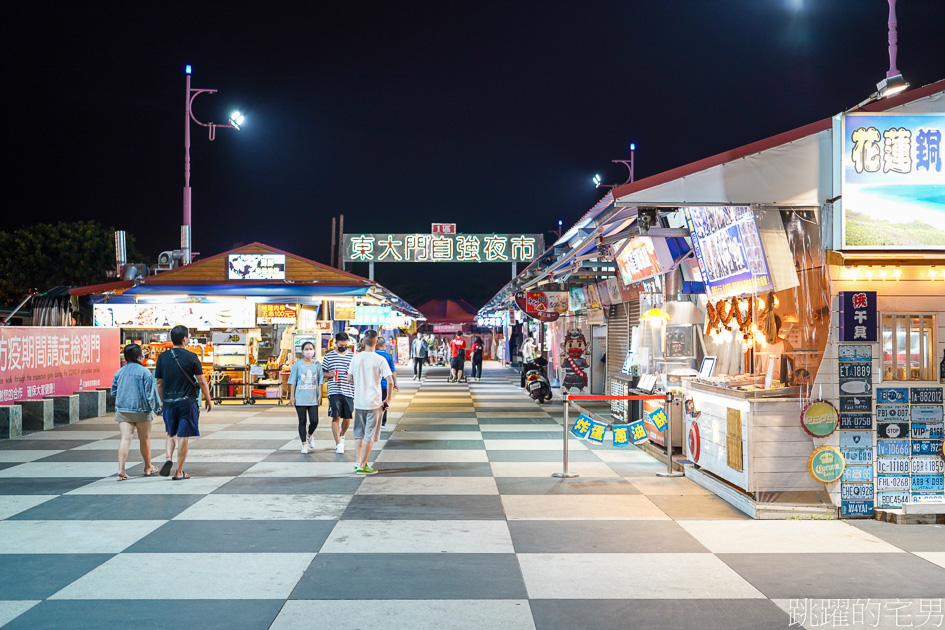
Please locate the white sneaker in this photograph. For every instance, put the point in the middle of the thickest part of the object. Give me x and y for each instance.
(305, 449)
(311, 442)
(340, 447)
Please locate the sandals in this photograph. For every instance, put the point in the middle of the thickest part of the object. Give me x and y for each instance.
(123, 477)
(183, 475)
(151, 471)
(166, 468)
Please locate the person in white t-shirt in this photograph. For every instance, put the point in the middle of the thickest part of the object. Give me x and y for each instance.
(366, 371)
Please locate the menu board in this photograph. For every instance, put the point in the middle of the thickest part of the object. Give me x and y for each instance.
(728, 249)
(855, 369)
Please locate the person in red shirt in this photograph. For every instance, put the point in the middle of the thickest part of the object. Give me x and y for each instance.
(457, 357)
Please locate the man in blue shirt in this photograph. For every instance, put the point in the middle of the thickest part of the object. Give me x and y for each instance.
(379, 349)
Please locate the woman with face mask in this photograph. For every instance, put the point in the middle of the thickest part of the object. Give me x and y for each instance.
(305, 393)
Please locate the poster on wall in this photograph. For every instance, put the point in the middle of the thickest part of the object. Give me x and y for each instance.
(728, 250)
(893, 183)
(256, 267)
(639, 259)
(201, 316)
(44, 361)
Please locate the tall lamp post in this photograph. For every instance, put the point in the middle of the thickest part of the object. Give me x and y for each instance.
(233, 123)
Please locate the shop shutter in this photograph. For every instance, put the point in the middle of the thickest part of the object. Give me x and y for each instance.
(618, 339)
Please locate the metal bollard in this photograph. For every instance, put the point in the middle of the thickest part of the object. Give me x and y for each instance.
(668, 438)
(565, 474)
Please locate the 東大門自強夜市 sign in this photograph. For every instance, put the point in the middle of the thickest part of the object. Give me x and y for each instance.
(442, 247)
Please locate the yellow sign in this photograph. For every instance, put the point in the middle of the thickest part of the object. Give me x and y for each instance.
(826, 464)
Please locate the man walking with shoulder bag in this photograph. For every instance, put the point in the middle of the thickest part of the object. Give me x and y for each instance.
(179, 378)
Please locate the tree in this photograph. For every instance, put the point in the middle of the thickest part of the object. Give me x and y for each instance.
(43, 256)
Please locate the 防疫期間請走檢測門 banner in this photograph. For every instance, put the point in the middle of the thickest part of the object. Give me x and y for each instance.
(442, 247)
(893, 193)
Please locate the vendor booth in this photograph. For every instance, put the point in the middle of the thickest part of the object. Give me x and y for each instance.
(249, 311)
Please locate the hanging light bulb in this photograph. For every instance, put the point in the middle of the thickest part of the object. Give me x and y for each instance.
(897, 273)
(777, 302)
(882, 273)
(869, 273)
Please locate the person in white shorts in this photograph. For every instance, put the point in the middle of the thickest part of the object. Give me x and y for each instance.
(366, 371)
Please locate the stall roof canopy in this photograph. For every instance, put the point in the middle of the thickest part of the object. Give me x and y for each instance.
(449, 312)
(791, 168)
(209, 277)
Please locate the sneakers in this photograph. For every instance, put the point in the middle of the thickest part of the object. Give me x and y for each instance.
(311, 442)
(367, 470)
(305, 450)
(340, 447)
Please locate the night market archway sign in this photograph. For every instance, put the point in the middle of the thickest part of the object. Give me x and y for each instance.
(470, 248)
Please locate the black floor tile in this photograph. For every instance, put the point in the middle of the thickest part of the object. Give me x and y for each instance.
(235, 537)
(908, 538)
(424, 507)
(435, 469)
(118, 507)
(678, 614)
(411, 576)
(290, 485)
(37, 576)
(42, 445)
(43, 485)
(602, 537)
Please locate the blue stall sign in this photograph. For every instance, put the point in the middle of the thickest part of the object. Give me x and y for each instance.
(892, 395)
(892, 448)
(854, 456)
(857, 474)
(928, 483)
(856, 421)
(856, 508)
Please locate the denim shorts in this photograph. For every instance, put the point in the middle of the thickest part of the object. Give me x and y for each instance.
(182, 421)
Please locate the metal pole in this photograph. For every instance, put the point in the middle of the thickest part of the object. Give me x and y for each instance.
(370, 271)
(668, 438)
(341, 242)
(893, 40)
(565, 474)
(514, 269)
(334, 236)
(186, 247)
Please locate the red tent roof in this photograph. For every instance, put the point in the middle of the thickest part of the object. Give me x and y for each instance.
(448, 312)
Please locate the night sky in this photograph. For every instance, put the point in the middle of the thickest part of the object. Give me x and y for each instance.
(492, 115)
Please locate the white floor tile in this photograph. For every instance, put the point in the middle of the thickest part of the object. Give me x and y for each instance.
(935, 557)
(379, 484)
(455, 614)
(532, 445)
(419, 537)
(225, 455)
(11, 504)
(545, 469)
(192, 576)
(64, 469)
(624, 455)
(10, 610)
(581, 507)
(72, 536)
(24, 456)
(405, 433)
(432, 455)
(632, 576)
(153, 485)
(784, 537)
(267, 507)
(666, 486)
(249, 436)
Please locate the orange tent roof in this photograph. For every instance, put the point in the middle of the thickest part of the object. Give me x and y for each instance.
(449, 312)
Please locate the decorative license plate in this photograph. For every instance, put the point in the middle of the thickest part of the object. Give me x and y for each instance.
(891, 499)
(892, 482)
(856, 491)
(925, 395)
(926, 431)
(928, 483)
(892, 465)
(928, 465)
(858, 474)
(927, 497)
(856, 508)
(925, 447)
(892, 395)
(855, 353)
(856, 421)
(892, 448)
(892, 413)
(862, 370)
(856, 404)
(892, 430)
(854, 456)
(856, 439)
(926, 413)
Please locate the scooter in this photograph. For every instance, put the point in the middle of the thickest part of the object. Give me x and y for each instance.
(535, 380)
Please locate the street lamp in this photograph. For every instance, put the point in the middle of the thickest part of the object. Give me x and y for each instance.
(893, 83)
(234, 122)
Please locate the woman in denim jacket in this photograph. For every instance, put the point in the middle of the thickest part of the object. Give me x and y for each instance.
(136, 397)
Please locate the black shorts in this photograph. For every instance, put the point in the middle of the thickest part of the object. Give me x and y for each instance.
(182, 421)
(458, 362)
(340, 406)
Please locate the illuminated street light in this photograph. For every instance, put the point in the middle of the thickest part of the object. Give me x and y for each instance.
(233, 123)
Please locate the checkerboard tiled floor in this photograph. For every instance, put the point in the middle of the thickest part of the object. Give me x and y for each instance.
(463, 528)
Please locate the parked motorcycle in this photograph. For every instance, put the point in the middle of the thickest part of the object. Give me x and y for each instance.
(536, 381)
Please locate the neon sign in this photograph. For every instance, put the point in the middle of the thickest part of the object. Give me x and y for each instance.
(442, 247)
